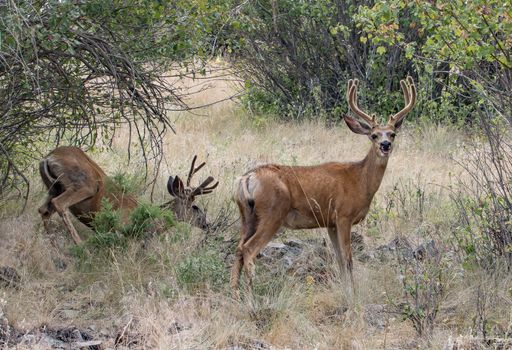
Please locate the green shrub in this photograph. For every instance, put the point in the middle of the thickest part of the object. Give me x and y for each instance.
(205, 268)
(127, 183)
(424, 283)
(110, 233)
(296, 56)
(106, 220)
(148, 218)
(106, 240)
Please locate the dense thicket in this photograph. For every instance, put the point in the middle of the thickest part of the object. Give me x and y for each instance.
(76, 71)
(297, 55)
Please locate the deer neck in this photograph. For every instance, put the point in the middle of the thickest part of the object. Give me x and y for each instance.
(373, 169)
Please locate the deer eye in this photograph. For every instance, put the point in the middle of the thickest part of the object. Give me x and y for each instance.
(393, 135)
(374, 136)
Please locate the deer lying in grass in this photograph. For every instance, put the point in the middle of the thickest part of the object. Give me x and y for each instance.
(77, 183)
(331, 195)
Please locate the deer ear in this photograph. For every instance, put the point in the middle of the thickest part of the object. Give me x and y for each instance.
(175, 187)
(357, 126)
(399, 122)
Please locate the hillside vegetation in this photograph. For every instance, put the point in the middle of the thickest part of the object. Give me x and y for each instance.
(143, 86)
(171, 290)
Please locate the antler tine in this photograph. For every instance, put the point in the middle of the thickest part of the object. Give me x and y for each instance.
(352, 102)
(211, 188)
(409, 90)
(193, 170)
(405, 90)
(203, 187)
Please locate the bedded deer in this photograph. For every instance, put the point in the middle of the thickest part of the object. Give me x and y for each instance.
(77, 183)
(332, 195)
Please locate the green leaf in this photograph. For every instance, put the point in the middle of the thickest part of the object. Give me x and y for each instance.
(381, 50)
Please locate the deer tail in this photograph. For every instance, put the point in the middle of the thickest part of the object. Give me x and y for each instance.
(244, 195)
(45, 170)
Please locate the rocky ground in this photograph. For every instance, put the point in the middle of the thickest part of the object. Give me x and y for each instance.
(304, 259)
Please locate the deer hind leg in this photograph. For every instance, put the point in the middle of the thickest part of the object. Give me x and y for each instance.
(248, 228)
(265, 231)
(47, 209)
(67, 199)
(238, 263)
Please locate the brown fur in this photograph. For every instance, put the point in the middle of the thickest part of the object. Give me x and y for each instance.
(331, 195)
(77, 183)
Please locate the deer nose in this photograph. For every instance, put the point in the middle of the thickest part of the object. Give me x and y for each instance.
(385, 145)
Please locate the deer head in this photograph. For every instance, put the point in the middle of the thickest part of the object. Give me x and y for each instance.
(381, 135)
(184, 195)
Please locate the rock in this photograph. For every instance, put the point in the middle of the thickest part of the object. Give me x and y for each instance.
(398, 245)
(177, 327)
(293, 242)
(273, 250)
(28, 339)
(68, 337)
(357, 242)
(375, 315)
(9, 277)
(51, 342)
(424, 250)
(8, 334)
(60, 265)
(86, 344)
(69, 314)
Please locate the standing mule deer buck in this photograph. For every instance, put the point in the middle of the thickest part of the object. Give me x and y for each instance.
(331, 195)
(77, 183)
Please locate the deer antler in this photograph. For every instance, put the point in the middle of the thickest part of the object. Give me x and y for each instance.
(203, 189)
(193, 170)
(409, 90)
(352, 102)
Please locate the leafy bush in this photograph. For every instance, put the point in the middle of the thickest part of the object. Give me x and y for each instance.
(148, 218)
(110, 232)
(127, 183)
(484, 202)
(204, 268)
(423, 280)
(295, 56)
(107, 219)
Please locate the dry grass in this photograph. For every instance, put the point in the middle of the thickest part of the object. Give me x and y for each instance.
(139, 290)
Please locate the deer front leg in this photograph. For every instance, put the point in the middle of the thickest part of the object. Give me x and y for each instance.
(333, 235)
(343, 227)
(67, 199)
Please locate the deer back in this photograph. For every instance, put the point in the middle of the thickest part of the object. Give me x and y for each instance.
(70, 169)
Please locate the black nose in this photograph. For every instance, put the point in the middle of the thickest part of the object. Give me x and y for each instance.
(385, 145)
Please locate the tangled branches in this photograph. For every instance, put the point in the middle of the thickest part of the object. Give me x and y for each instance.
(67, 76)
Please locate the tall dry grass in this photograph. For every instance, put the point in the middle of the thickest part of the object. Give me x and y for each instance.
(139, 290)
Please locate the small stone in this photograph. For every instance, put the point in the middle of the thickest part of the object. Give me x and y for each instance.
(177, 327)
(9, 276)
(375, 315)
(69, 314)
(86, 344)
(293, 242)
